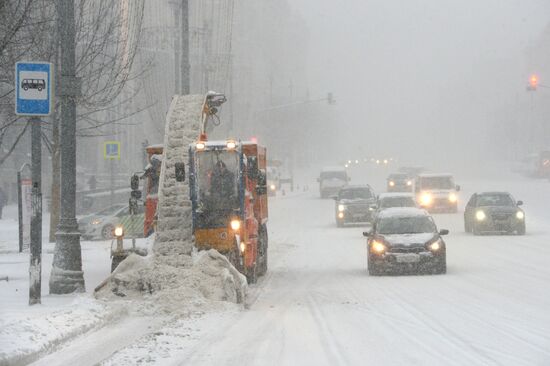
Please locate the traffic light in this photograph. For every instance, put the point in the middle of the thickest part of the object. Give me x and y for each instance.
(533, 82)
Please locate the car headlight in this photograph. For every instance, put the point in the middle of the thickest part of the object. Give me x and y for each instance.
(340, 215)
(119, 231)
(520, 215)
(435, 246)
(341, 208)
(426, 199)
(480, 215)
(272, 187)
(378, 247)
(392, 183)
(235, 224)
(96, 222)
(453, 198)
(409, 183)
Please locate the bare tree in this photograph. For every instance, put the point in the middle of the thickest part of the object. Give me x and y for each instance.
(108, 34)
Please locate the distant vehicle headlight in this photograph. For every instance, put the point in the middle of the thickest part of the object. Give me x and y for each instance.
(340, 215)
(272, 187)
(453, 198)
(520, 215)
(378, 247)
(480, 215)
(96, 222)
(409, 183)
(341, 208)
(426, 199)
(436, 245)
(392, 183)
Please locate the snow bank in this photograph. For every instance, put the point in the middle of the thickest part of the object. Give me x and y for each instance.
(176, 288)
(25, 340)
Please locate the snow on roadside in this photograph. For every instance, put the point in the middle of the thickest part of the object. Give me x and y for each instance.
(25, 339)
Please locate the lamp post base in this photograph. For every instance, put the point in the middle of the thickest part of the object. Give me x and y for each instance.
(66, 276)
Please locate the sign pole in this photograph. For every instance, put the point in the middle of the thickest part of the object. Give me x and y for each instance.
(35, 270)
(20, 210)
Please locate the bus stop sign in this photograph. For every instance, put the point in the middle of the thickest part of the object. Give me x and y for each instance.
(33, 88)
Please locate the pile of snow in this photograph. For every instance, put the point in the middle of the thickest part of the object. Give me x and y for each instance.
(174, 279)
(177, 288)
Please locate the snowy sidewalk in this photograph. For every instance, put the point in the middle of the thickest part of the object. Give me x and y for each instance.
(27, 332)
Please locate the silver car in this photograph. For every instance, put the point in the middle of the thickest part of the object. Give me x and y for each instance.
(101, 225)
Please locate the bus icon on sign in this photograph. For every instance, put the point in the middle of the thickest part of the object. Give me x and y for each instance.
(39, 84)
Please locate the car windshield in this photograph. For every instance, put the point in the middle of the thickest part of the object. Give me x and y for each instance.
(341, 175)
(356, 193)
(437, 183)
(495, 200)
(406, 225)
(397, 177)
(388, 202)
(111, 210)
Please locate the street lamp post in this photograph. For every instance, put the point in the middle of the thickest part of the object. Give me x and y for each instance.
(67, 276)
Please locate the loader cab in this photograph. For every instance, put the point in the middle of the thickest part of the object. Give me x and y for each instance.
(215, 192)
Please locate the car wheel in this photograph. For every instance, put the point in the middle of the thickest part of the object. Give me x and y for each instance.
(476, 230)
(107, 232)
(374, 270)
(467, 227)
(339, 223)
(440, 267)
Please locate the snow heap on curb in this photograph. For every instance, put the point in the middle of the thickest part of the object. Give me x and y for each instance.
(174, 278)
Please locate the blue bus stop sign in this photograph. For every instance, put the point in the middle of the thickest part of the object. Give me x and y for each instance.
(33, 88)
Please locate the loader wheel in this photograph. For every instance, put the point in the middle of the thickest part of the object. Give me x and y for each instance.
(252, 275)
(263, 239)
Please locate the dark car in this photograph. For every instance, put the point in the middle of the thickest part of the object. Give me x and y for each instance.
(354, 204)
(494, 212)
(404, 240)
(399, 182)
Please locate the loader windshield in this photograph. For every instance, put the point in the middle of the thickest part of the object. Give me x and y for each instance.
(217, 193)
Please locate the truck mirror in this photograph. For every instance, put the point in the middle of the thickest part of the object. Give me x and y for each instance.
(457, 188)
(367, 233)
(134, 182)
(443, 232)
(520, 203)
(180, 171)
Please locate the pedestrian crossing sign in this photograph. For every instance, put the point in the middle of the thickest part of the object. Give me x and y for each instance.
(111, 150)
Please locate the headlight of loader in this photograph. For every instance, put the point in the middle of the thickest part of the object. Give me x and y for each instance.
(341, 208)
(426, 199)
(378, 247)
(480, 215)
(453, 198)
(392, 183)
(119, 231)
(520, 215)
(235, 225)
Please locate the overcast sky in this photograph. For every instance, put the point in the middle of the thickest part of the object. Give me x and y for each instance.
(427, 68)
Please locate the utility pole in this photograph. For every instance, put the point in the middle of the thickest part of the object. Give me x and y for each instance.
(67, 276)
(35, 271)
(177, 48)
(185, 66)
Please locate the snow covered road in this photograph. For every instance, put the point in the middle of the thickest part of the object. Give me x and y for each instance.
(318, 306)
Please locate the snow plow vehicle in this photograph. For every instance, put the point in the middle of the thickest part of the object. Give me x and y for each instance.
(229, 202)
